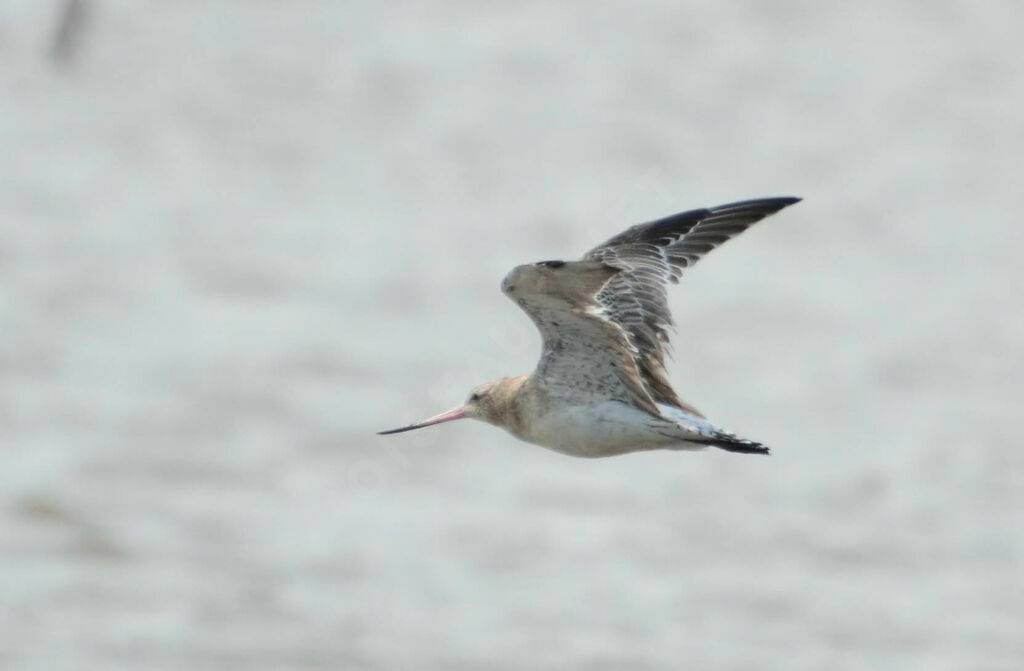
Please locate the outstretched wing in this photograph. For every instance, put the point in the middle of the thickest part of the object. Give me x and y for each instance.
(585, 355)
(650, 255)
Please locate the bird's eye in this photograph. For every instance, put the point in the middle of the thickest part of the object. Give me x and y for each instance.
(551, 264)
(474, 397)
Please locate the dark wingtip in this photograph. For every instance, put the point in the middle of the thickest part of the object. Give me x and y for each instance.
(764, 206)
(786, 201)
(774, 205)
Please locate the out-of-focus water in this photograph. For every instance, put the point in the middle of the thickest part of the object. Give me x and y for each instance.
(237, 238)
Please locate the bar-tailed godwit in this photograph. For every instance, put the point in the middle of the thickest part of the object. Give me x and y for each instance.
(600, 388)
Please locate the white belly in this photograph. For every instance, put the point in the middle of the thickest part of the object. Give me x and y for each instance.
(605, 429)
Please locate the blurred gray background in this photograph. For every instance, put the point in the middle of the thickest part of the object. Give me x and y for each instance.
(239, 237)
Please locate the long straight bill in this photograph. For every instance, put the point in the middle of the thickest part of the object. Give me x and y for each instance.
(454, 413)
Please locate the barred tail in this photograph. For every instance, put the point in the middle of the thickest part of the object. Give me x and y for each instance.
(732, 443)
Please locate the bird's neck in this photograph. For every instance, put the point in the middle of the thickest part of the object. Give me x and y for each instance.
(510, 399)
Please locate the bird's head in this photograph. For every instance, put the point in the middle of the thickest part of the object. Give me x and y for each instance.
(489, 402)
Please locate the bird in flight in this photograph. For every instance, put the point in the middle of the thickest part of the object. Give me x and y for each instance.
(600, 388)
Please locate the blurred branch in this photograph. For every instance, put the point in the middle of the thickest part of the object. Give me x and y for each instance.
(70, 27)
